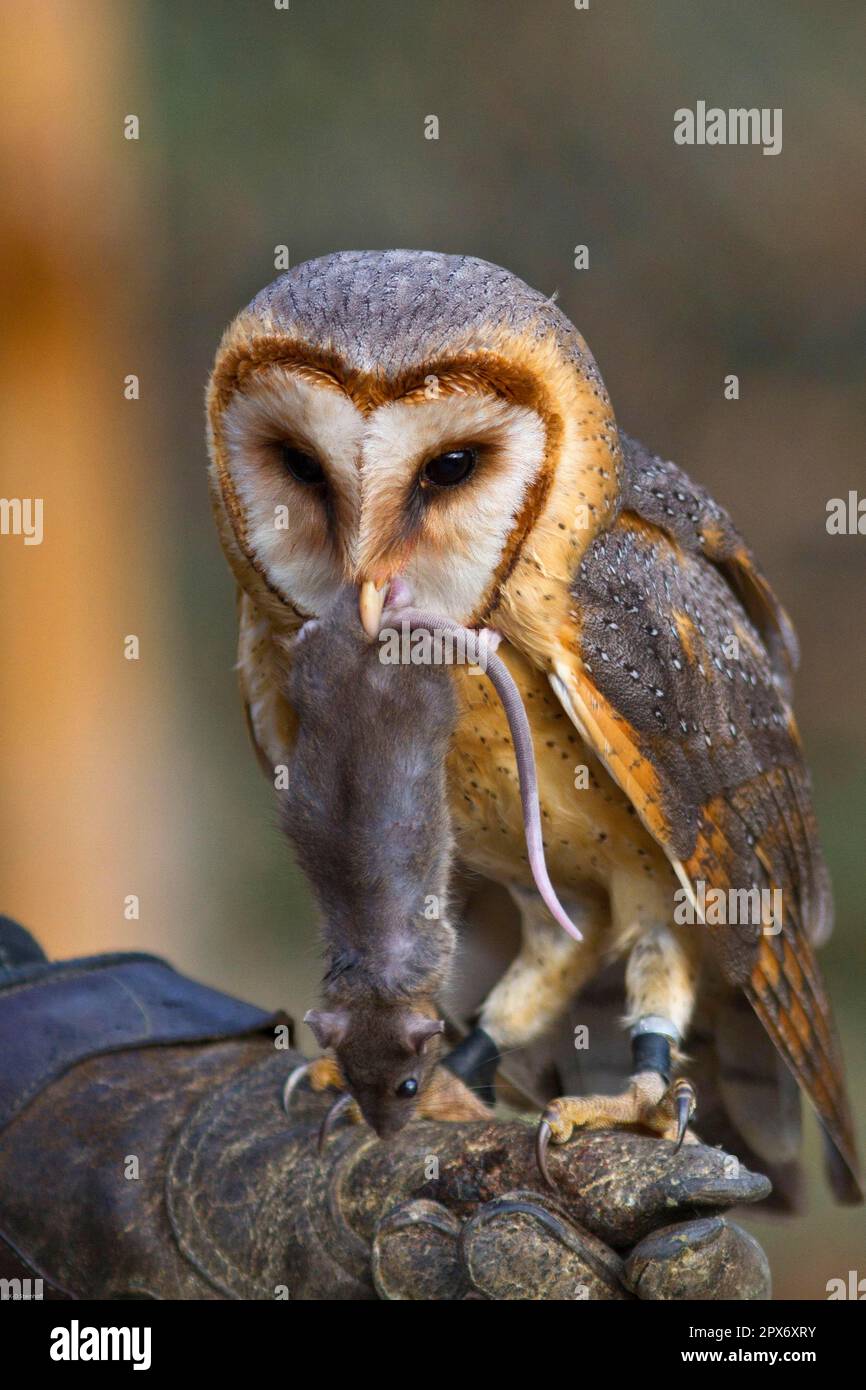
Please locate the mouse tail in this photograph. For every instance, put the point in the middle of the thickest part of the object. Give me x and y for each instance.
(482, 645)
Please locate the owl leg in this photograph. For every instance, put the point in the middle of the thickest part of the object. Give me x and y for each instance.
(547, 972)
(661, 982)
(545, 975)
(543, 978)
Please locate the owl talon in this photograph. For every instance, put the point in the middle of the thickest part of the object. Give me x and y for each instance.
(293, 1081)
(684, 1106)
(322, 1074)
(332, 1114)
(542, 1143)
(554, 1127)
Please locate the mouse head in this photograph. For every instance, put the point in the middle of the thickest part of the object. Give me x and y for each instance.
(386, 1054)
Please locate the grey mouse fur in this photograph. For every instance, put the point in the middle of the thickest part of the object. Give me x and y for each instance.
(367, 813)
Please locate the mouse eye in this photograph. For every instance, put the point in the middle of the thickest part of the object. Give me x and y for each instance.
(407, 1088)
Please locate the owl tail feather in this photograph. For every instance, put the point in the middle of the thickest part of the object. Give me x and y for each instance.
(482, 647)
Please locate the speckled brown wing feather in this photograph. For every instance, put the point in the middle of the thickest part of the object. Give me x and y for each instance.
(788, 995)
(678, 676)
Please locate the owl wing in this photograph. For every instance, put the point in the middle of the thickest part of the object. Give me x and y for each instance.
(677, 674)
(271, 721)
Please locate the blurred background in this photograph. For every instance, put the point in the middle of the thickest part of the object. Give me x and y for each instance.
(304, 127)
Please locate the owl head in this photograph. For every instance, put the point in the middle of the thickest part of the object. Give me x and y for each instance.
(385, 414)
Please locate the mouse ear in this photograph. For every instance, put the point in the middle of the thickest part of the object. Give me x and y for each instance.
(419, 1030)
(329, 1028)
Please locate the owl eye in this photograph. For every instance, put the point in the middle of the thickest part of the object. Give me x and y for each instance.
(303, 467)
(446, 470)
(407, 1088)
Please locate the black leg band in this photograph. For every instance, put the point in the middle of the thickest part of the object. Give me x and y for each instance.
(475, 1060)
(651, 1052)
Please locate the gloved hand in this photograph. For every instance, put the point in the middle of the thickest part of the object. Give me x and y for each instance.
(633, 1219)
(175, 1173)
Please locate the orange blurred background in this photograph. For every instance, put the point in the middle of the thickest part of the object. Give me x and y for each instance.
(262, 127)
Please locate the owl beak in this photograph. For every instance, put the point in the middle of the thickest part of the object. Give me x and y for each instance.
(371, 601)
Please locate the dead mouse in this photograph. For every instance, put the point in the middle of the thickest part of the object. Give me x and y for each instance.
(367, 813)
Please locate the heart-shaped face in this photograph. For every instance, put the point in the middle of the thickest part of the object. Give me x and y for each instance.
(376, 415)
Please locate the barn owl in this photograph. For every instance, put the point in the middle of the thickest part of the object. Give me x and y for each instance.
(402, 416)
